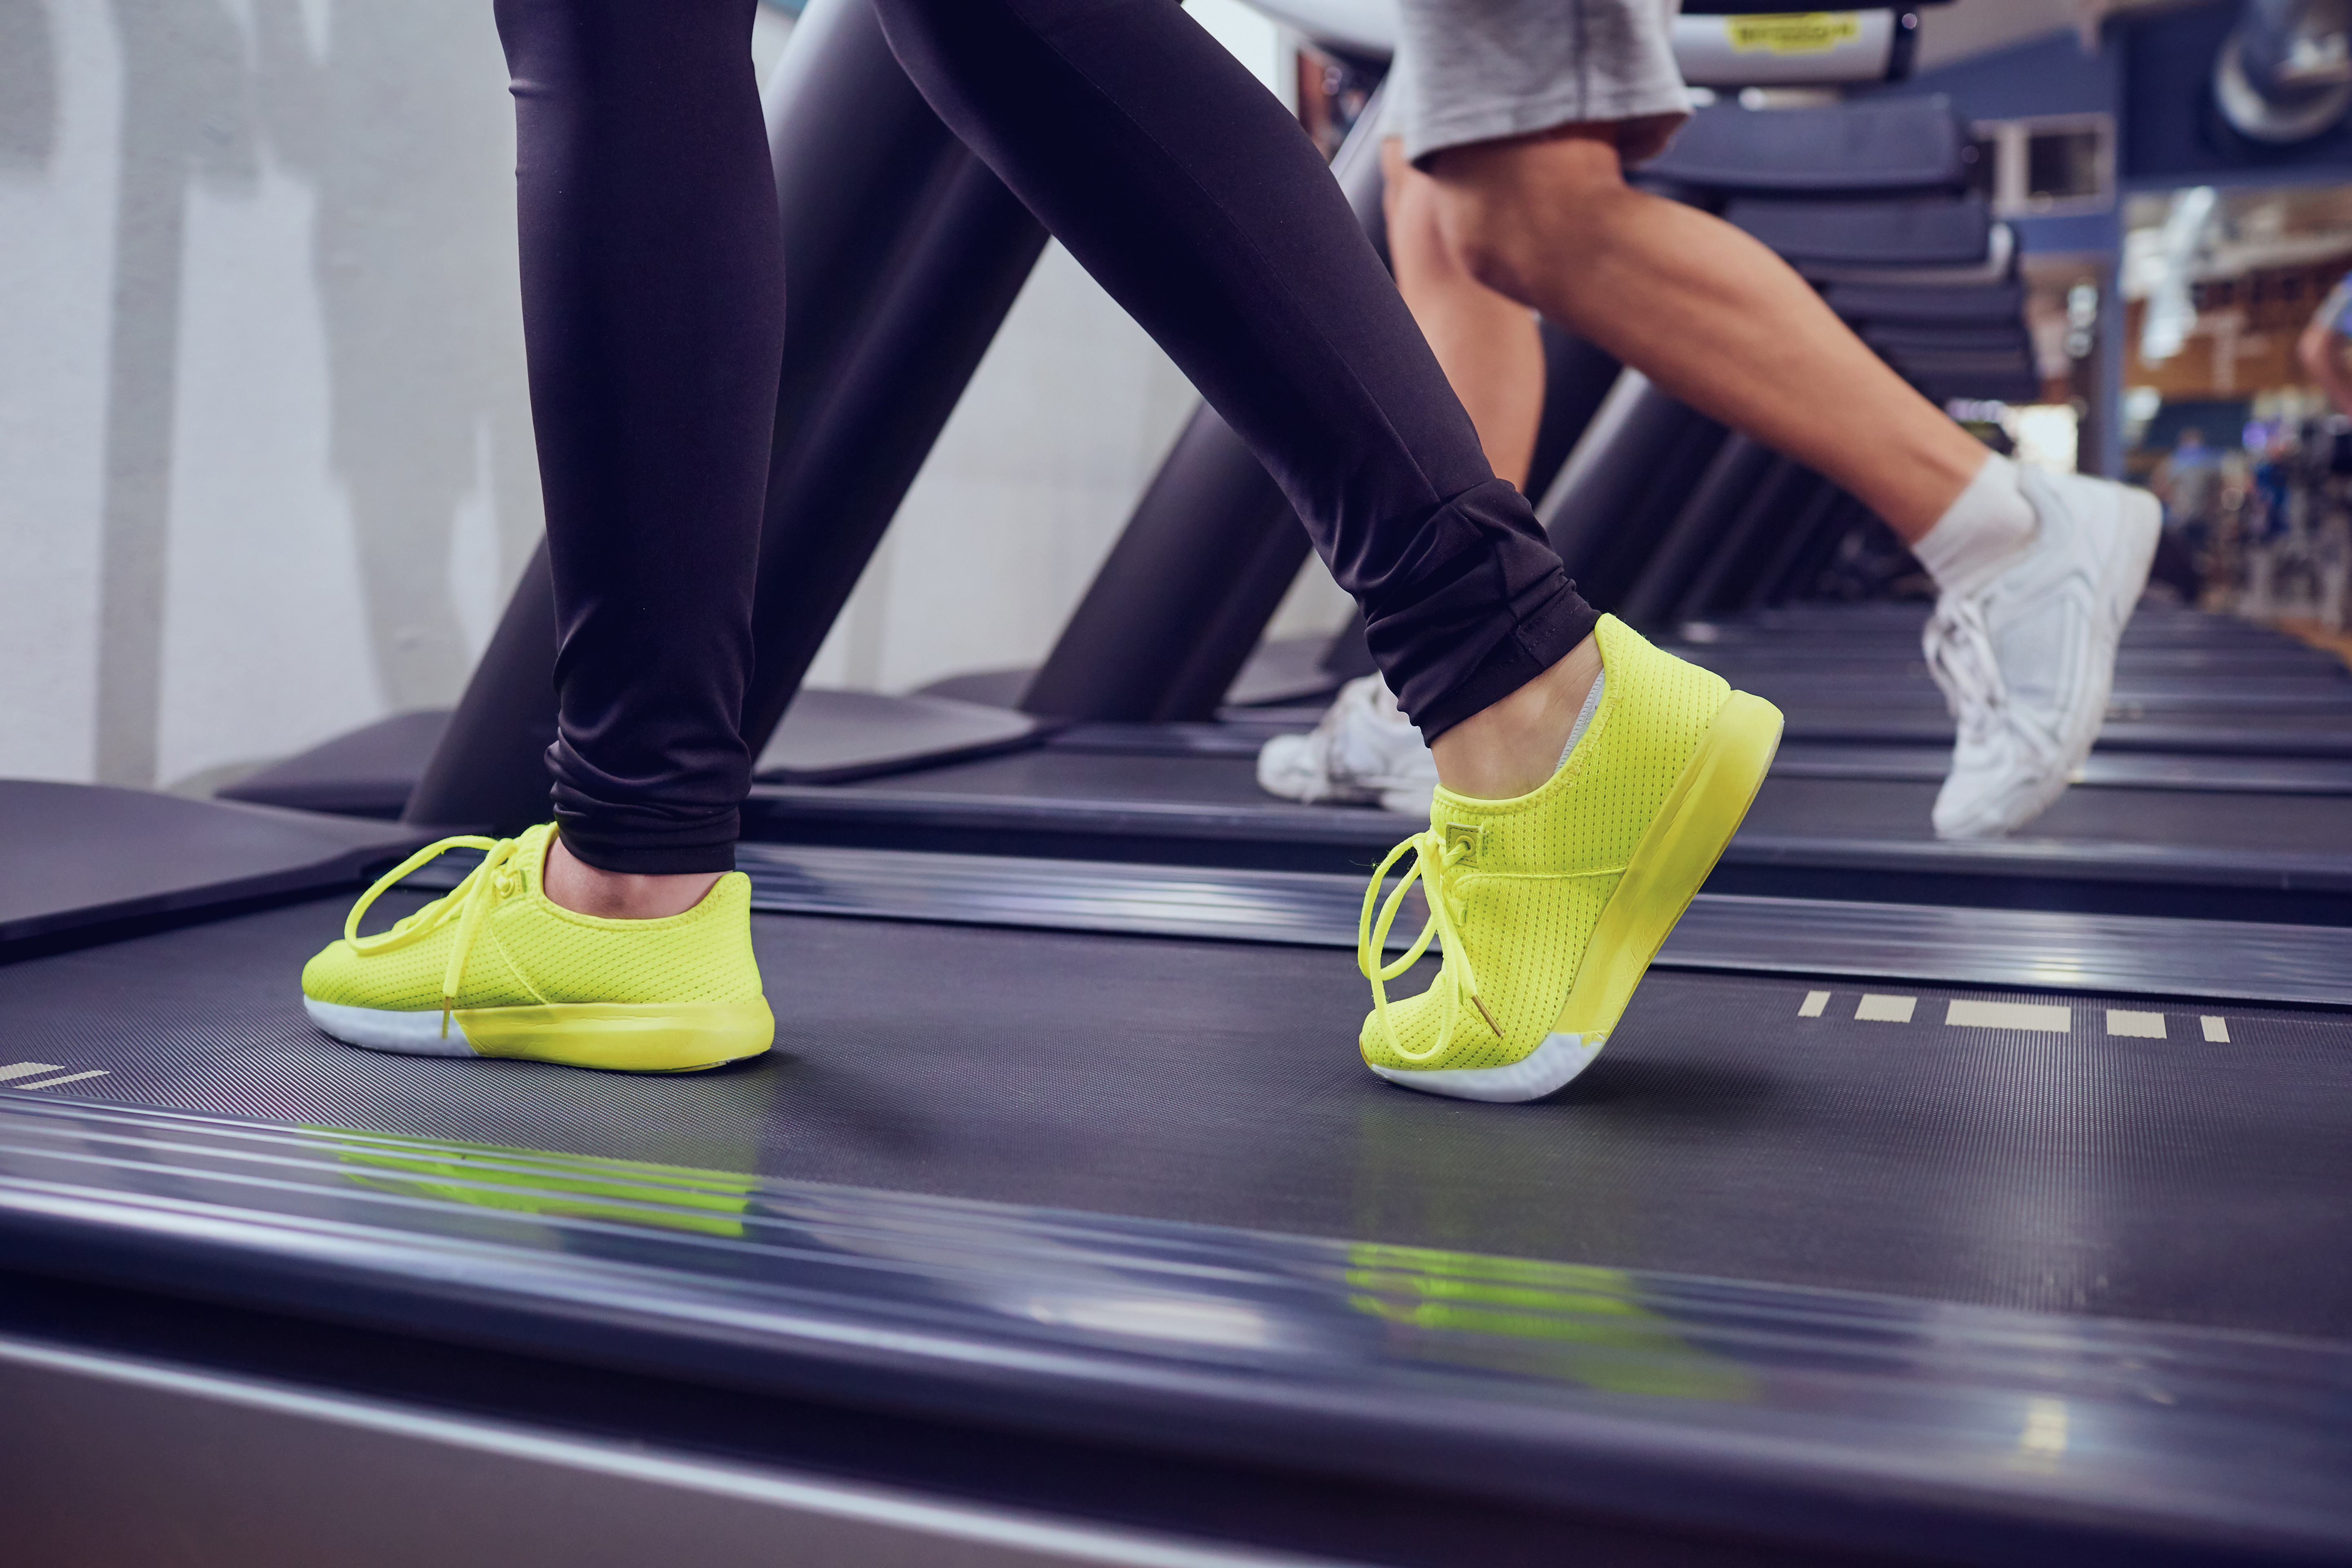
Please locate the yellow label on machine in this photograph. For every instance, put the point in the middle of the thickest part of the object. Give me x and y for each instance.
(1792, 32)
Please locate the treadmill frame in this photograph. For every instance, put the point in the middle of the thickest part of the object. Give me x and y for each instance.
(1639, 1404)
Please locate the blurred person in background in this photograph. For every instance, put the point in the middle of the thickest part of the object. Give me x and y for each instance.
(1516, 120)
(2322, 350)
(2187, 480)
(2322, 346)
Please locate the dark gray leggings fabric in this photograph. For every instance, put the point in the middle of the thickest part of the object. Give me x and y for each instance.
(653, 314)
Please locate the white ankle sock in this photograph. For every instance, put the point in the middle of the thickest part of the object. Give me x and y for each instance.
(1584, 718)
(1985, 524)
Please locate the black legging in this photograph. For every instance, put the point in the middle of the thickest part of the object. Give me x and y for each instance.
(653, 314)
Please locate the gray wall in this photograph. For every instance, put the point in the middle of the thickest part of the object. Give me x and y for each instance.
(266, 469)
(265, 462)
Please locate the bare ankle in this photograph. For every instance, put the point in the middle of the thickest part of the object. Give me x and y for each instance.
(1514, 745)
(586, 889)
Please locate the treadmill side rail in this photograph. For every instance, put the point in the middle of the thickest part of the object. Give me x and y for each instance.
(1805, 1418)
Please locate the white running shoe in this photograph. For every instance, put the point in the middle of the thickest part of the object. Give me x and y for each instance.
(2026, 657)
(1364, 751)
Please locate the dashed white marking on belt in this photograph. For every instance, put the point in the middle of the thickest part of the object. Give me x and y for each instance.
(69, 1077)
(2046, 1018)
(2045, 1426)
(2043, 1017)
(27, 1070)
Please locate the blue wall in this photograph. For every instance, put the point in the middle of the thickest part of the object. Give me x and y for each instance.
(2049, 75)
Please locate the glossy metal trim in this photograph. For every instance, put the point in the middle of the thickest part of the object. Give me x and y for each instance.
(2000, 252)
(2101, 770)
(2287, 737)
(313, 1443)
(1370, 833)
(2064, 859)
(1275, 822)
(2026, 949)
(1241, 736)
(2323, 699)
(1296, 908)
(1796, 759)
(1804, 1415)
(2029, 948)
(1894, 653)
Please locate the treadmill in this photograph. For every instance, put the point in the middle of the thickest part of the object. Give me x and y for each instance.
(2214, 790)
(2219, 784)
(1061, 1227)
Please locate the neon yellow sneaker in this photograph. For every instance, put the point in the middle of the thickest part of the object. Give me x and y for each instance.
(494, 968)
(1550, 906)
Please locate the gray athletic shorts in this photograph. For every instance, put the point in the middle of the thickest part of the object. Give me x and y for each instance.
(1480, 71)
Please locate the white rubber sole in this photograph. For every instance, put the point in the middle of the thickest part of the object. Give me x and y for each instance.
(1550, 1065)
(609, 1037)
(379, 1030)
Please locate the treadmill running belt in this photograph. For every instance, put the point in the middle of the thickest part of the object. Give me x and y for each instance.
(2103, 1170)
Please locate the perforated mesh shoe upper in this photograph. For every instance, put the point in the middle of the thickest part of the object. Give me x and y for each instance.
(528, 950)
(1525, 879)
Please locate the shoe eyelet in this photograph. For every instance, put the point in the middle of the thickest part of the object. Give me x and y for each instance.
(503, 885)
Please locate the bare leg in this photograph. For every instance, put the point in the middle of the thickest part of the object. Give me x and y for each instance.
(1491, 353)
(1513, 746)
(1487, 346)
(1702, 309)
(588, 889)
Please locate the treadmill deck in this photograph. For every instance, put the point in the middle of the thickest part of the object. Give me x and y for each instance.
(2091, 1172)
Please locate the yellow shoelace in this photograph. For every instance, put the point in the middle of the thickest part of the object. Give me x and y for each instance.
(1433, 866)
(466, 903)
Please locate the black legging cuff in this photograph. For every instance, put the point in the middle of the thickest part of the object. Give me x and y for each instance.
(1464, 602)
(625, 843)
(1542, 637)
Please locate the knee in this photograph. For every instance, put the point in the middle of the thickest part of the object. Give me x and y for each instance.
(1512, 221)
(1498, 242)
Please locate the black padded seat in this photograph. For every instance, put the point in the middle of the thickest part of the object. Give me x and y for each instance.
(1940, 385)
(1895, 147)
(1946, 364)
(1952, 348)
(1936, 232)
(2002, 303)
